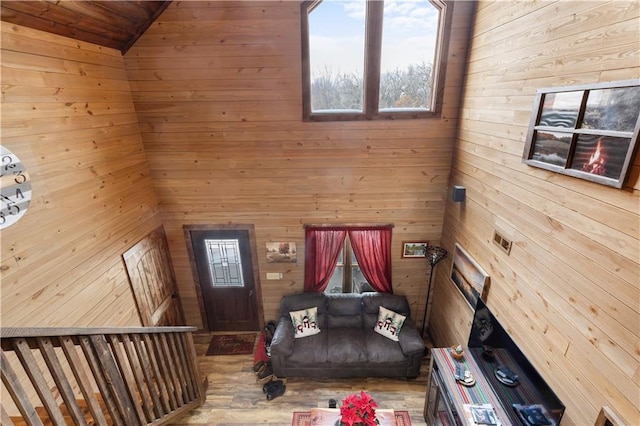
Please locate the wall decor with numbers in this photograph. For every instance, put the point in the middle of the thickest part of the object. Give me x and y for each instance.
(15, 188)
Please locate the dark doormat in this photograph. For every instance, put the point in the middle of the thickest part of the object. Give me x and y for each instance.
(232, 344)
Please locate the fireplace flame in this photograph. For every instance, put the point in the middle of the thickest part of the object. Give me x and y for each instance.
(597, 161)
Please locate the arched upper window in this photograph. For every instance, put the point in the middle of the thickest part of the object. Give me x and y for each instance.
(373, 59)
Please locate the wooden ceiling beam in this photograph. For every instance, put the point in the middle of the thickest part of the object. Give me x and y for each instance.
(114, 24)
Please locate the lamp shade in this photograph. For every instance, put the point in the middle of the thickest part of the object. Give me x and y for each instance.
(434, 254)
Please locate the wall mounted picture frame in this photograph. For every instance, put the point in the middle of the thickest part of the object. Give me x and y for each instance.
(586, 131)
(414, 248)
(470, 279)
(282, 252)
(607, 417)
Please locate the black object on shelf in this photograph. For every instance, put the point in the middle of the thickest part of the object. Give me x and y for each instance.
(533, 415)
(506, 376)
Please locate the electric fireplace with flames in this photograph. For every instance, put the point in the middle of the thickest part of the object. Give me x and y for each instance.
(589, 132)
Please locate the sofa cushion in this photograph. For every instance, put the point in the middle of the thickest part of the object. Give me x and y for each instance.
(371, 303)
(346, 345)
(389, 323)
(296, 302)
(305, 322)
(311, 350)
(344, 310)
(381, 350)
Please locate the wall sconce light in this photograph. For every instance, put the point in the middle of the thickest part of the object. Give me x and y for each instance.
(458, 194)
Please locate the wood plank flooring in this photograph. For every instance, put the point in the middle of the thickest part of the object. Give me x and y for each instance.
(234, 398)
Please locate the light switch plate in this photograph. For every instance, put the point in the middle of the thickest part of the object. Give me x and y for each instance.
(274, 275)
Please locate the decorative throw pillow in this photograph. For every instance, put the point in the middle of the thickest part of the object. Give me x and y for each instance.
(305, 322)
(389, 323)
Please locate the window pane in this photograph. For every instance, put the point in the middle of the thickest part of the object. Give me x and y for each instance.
(335, 284)
(225, 265)
(613, 109)
(336, 55)
(410, 32)
(552, 147)
(359, 283)
(600, 155)
(561, 109)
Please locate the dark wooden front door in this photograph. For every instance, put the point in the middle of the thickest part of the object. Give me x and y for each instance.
(224, 263)
(152, 280)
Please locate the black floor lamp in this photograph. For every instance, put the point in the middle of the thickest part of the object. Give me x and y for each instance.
(434, 255)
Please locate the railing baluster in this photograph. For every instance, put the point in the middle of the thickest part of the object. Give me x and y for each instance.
(152, 348)
(199, 384)
(5, 420)
(134, 363)
(145, 357)
(177, 365)
(101, 380)
(186, 377)
(38, 380)
(59, 377)
(119, 390)
(166, 371)
(15, 389)
(130, 403)
(82, 379)
(166, 358)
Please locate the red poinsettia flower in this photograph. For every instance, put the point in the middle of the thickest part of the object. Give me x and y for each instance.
(358, 410)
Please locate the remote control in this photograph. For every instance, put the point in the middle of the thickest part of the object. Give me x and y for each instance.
(460, 371)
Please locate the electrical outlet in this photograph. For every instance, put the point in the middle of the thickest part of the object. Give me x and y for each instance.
(274, 275)
(502, 242)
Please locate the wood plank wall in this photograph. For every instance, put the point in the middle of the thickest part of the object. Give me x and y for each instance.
(569, 291)
(68, 114)
(217, 88)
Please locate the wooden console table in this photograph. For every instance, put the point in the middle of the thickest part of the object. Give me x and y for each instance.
(446, 398)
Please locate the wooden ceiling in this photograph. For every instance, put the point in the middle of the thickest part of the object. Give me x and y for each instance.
(115, 24)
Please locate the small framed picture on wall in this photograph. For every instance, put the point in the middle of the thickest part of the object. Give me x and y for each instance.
(414, 248)
(282, 252)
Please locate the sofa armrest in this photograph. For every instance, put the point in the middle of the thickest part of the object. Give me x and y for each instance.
(282, 342)
(409, 338)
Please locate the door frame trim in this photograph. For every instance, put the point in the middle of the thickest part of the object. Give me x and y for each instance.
(254, 266)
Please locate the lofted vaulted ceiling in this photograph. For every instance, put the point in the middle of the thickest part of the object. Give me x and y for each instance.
(115, 24)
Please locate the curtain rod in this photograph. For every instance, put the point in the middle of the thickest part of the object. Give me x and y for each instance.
(348, 225)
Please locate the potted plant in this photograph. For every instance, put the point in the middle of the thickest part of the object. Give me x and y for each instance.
(457, 352)
(358, 410)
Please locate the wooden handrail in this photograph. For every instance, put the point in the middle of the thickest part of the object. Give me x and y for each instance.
(8, 332)
(100, 376)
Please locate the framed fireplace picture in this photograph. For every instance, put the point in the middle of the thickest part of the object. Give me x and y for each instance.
(469, 277)
(589, 131)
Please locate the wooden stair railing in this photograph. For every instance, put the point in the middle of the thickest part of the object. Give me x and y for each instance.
(100, 376)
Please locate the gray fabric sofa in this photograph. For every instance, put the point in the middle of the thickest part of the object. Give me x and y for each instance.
(347, 345)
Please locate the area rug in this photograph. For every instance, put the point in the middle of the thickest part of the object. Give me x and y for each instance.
(232, 344)
(303, 418)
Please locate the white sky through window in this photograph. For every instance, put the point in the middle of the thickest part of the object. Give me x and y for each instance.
(337, 30)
